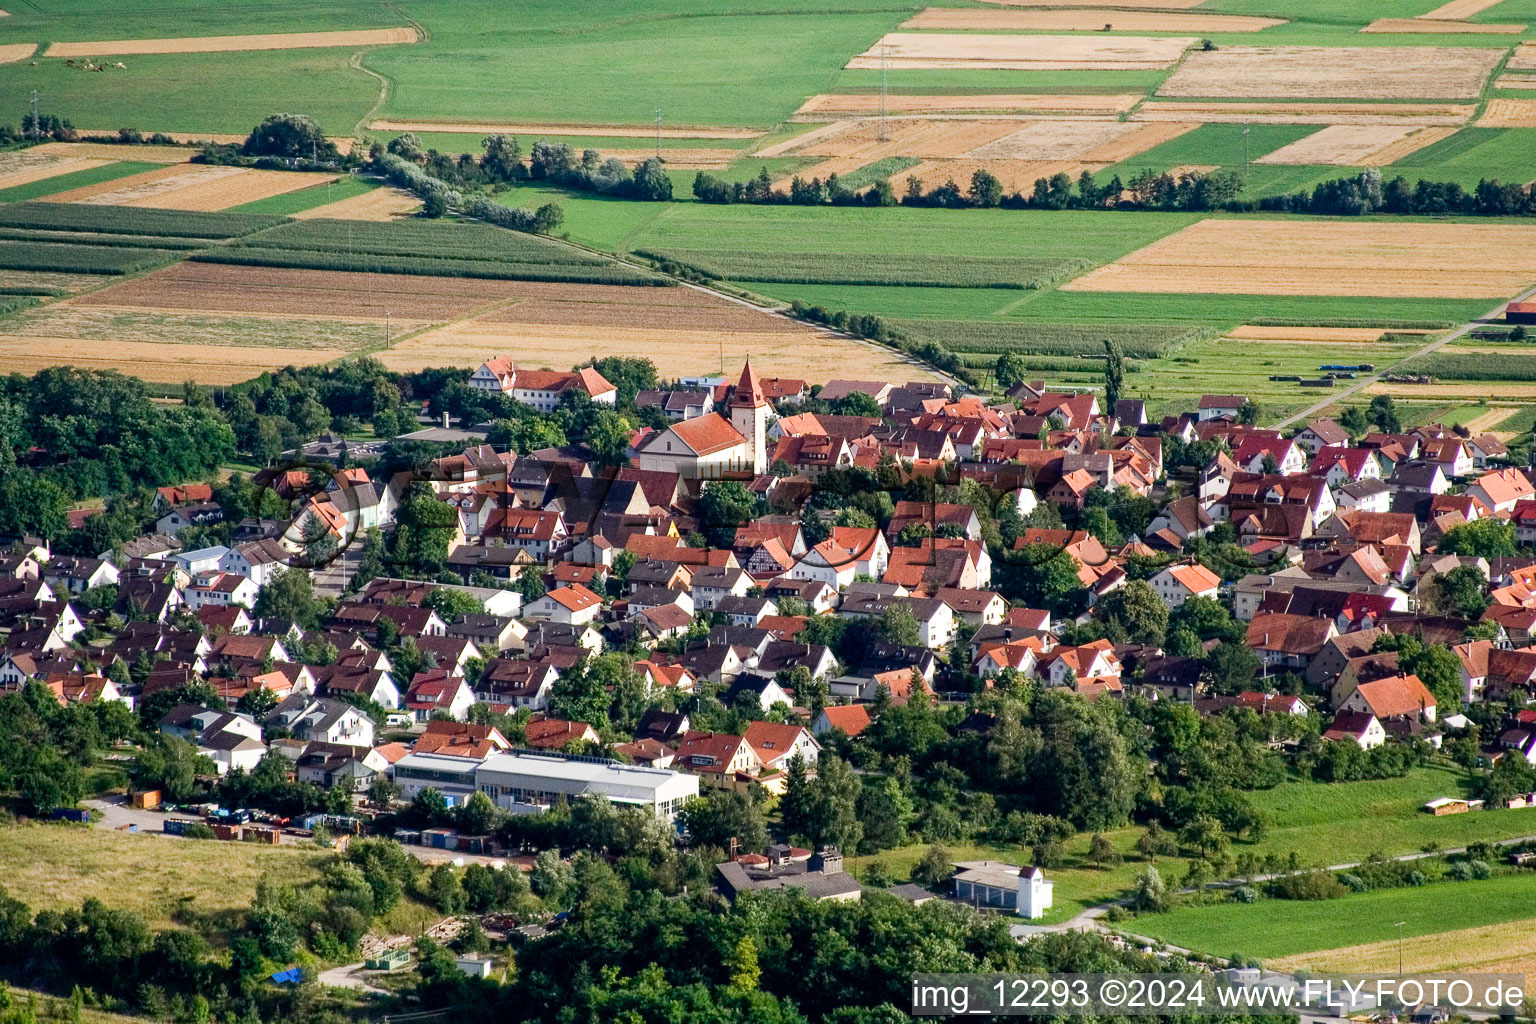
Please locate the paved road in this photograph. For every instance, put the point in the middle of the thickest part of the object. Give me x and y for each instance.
(1334, 397)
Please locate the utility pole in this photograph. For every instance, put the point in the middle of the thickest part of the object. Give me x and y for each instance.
(387, 326)
(658, 133)
(1245, 150)
(1399, 927)
(36, 128)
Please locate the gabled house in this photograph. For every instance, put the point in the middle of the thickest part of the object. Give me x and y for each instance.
(1289, 642)
(317, 719)
(574, 605)
(1178, 583)
(775, 745)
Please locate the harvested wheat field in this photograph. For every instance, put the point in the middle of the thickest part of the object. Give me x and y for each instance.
(83, 320)
(12, 52)
(1084, 21)
(1262, 332)
(1458, 10)
(1089, 141)
(680, 340)
(1232, 257)
(912, 138)
(110, 151)
(206, 364)
(617, 131)
(1485, 422)
(323, 294)
(147, 180)
(383, 203)
(1523, 59)
(1014, 175)
(1501, 113)
(19, 167)
(1325, 72)
(844, 104)
(1480, 389)
(1357, 145)
(1490, 948)
(229, 44)
(1515, 82)
(1426, 26)
(197, 187)
(940, 50)
(1305, 113)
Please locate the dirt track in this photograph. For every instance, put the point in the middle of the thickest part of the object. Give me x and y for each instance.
(229, 44)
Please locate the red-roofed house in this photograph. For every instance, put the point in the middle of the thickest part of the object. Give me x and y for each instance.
(1394, 697)
(1178, 583)
(1502, 489)
(435, 691)
(775, 744)
(574, 605)
(541, 389)
(851, 718)
(555, 733)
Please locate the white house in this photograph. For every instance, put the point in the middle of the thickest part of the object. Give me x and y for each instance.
(572, 605)
(541, 389)
(1178, 583)
(712, 446)
(220, 589)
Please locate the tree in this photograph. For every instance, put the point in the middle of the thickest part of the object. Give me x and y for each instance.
(742, 965)
(257, 702)
(1383, 413)
(856, 403)
(1010, 369)
(721, 816)
(289, 135)
(172, 766)
(1353, 420)
(444, 891)
(1101, 851)
(382, 791)
(1232, 666)
(898, 624)
(986, 190)
(1137, 610)
(933, 868)
(1488, 538)
(884, 809)
(291, 595)
(609, 436)
(832, 808)
(1151, 894)
(1248, 412)
(726, 504)
(1114, 374)
(1154, 843)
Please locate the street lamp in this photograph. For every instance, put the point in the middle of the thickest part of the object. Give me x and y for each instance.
(1399, 927)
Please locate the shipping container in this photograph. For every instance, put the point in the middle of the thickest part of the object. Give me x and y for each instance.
(147, 799)
(226, 832)
(175, 826)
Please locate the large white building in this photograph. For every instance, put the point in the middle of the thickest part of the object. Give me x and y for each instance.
(541, 389)
(529, 782)
(712, 446)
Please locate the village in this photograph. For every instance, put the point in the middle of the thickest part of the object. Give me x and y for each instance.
(1302, 576)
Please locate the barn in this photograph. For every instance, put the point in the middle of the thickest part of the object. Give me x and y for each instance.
(1520, 313)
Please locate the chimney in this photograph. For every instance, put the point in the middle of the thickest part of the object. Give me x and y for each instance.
(445, 420)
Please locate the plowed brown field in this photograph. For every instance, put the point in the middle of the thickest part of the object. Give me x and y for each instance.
(1264, 332)
(1232, 257)
(12, 52)
(318, 293)
(1324, 72)
(1090, 141)
(1159, 4)
(1457, 10)
(1014, 175)
(109, 151)
(226, 44)
(1524, 58)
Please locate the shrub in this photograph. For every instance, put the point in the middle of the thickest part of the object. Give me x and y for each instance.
(1245, 894)
(1309, 885)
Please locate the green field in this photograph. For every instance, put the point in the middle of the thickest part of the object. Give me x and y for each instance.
(1274, 928)
(75, 179)
(290, 203)
(80, 259)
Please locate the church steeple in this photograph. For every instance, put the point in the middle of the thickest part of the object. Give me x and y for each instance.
(749, 411)
(749, 390)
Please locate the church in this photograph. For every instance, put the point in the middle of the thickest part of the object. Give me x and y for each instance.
(714, 446)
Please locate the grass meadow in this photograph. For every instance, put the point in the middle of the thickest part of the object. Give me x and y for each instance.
(1275, 928)
(1323, 825)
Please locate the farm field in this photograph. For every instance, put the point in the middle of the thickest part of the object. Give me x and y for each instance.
(1509, 946)
(1285, 928)
(1328, 258)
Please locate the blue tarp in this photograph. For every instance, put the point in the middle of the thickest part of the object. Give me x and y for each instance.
(292, 976)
